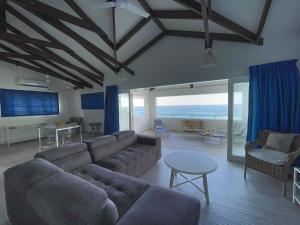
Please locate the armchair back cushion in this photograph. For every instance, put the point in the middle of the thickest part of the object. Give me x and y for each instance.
(284, 142)
(280, 141)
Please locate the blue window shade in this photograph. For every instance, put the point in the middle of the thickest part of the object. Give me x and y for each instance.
(92, 101)
(28, 103)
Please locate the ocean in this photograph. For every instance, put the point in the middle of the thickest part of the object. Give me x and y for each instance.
(218, 112)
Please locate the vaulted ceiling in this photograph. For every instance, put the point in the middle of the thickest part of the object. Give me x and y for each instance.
(69, 40)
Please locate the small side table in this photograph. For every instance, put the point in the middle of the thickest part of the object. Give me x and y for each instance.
(95, 128)
(296, 185)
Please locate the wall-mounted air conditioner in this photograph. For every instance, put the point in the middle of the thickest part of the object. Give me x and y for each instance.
(20, 81)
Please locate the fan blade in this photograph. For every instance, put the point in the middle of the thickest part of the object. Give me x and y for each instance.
(132, 8)
(105, 5)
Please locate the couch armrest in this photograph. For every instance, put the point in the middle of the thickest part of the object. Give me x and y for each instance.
(151, 140)
(148, 140)
(291, 157)
(251, 145)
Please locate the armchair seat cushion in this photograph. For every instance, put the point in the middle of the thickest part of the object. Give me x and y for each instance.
(270, 156)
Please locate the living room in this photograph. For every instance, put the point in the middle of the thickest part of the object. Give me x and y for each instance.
(90, 93)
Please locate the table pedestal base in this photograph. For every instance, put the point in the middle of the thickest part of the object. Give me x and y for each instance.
(187, 180)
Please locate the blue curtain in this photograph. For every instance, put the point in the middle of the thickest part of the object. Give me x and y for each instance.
(111, 120)
(274, 98)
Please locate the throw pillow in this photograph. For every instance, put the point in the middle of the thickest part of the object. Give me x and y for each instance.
(280, 141)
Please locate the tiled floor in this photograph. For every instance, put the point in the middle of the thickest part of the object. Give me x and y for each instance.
(233, 200)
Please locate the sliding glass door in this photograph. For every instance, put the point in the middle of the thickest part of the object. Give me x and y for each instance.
(124, 111)
(238, 92)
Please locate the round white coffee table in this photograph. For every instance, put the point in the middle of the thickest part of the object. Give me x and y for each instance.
(193, 163)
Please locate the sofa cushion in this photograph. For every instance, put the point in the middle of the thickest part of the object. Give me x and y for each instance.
(126, 138)
(67, 199)
(101, 147)
(280, 141)
(68, 157)
(161, 206)
(271, 156)
(121, 189)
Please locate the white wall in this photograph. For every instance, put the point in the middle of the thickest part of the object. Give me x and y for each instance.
(8, 73)
(178, 60)
(74, 106)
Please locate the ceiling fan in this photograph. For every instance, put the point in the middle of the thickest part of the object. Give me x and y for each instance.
(122, 4)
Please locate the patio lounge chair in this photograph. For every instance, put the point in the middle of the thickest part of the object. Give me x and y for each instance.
(160, 129)
(192, 126)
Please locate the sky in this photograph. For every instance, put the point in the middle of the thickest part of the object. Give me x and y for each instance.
(204, 99)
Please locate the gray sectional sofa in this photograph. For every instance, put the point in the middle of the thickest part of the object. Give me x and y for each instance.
(70, 185)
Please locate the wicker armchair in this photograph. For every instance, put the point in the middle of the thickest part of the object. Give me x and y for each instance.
(280, 171)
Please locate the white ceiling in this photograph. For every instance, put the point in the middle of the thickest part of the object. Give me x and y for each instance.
(282, 21)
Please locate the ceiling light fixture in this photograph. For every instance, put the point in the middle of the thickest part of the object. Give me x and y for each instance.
(122, 77)
(209, 59)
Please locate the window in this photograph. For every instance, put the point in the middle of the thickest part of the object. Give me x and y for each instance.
(92, 101)
(28, 103)
(138, 106)
(203, 106)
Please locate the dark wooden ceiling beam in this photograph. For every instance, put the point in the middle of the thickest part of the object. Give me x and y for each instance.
(47, 54)
(59, 59)
(114, 35)
(223, 21)
(2, 15)
(20, 38)
(204, 9)
(11, 51)
(148, 9)
(145, 48)
(53, 73)
(201, 35)
(175, 14)
(86, 18)
(18, 56)
(97, 52)
(93, 49)
(143, 22)
(263, 18)
(41, 70)
(39, 30)
(38, 6)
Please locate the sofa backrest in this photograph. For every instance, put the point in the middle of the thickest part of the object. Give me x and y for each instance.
(38, 192)
(68, 157)
(126, 138)
(17, 181)
(76, 201)
(101, 147)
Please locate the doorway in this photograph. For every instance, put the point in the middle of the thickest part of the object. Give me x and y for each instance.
(238, 94)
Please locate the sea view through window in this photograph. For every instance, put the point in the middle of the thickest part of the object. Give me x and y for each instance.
(203, 106)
